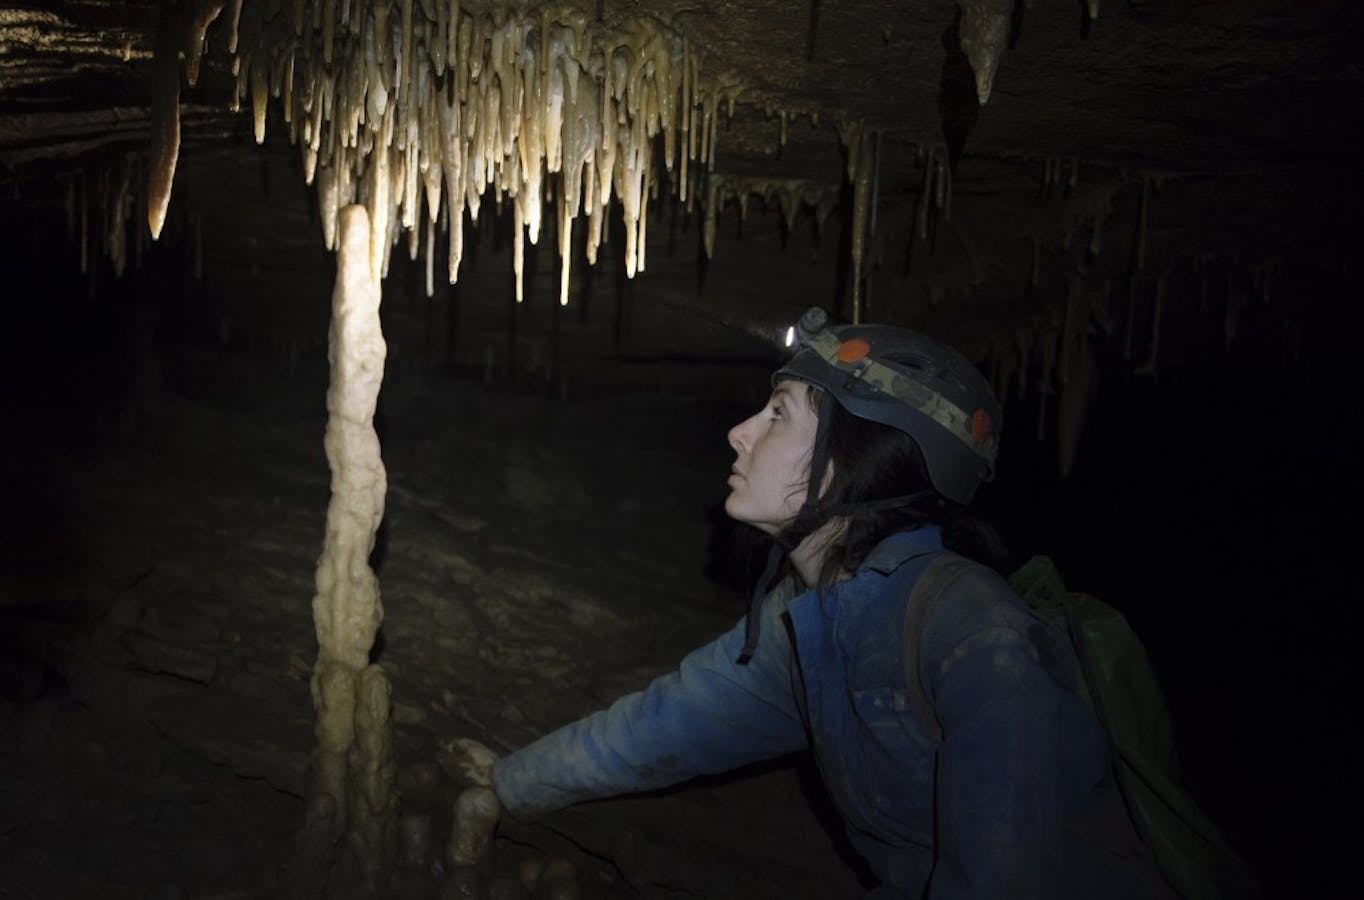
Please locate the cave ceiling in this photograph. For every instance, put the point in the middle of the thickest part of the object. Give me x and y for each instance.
(1120, 145)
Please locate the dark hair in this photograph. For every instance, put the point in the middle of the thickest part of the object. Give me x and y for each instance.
(870, 462)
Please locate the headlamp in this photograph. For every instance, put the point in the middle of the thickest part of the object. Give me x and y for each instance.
(812, 321)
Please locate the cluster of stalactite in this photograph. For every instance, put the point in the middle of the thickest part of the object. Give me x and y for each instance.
(862, 148)
(1052, 352)
(787, 196)
(417, 108)
(932, 207)
(99, 202)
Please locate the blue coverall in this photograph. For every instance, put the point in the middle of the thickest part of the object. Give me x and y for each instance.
(980, 814)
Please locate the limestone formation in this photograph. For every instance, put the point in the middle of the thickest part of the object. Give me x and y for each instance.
(353, 758)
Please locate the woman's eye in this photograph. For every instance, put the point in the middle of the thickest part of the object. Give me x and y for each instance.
(776, 412)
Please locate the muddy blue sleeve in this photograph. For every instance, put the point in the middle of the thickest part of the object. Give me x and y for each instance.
(999, 799)
(711, 715)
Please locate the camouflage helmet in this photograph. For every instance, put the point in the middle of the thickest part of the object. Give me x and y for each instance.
(909, 382)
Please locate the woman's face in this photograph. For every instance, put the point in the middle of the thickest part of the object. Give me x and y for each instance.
(773, 447)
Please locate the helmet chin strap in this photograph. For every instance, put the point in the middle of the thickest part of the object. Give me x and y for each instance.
(806, 522)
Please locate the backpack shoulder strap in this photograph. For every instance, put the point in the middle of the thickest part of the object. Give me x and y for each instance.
(942, 570)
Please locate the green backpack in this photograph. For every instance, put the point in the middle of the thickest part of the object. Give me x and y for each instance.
(1116, 678)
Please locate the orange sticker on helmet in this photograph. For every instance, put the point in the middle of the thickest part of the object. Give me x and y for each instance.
(852, 350)
(980, 426)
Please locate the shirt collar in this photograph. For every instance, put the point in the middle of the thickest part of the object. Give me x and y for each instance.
(901, 547)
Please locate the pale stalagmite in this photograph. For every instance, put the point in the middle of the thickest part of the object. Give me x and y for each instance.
(475, 817)
(373, 801)
(350, 696)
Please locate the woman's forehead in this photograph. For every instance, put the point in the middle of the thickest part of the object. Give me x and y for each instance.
(792, 390)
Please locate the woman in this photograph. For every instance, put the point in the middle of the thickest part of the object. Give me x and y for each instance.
(899, 431)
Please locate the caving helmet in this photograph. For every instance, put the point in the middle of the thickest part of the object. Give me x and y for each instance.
(911, 383)
(900, 379)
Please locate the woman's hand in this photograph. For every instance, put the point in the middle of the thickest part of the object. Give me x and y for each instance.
(466, 760)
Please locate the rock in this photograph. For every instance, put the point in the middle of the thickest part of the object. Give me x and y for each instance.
(506, 887)
(414, 841)
(558, 881)
(161, 656)
(125, 611)
(34, 724)
(310, 863)
(56, 804)
(462, 884)
(256, 738)
(528, 870)
(476, 813)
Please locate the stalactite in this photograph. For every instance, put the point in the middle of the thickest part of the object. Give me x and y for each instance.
(1099, 213)
(518, 252)
(1047, 339)
(1070, 324)
(684, 138)
(165, 122)
(875, 176)
(984, 33)
(70, 209)
(1007, 367)
(940, 181)
(121, 207)
(863, 150)
(926, 195)
(1131, 317)
(200, 16)
(643, 217)
(1073, 404)
(260, 89)
(1231, 317)
(198, 220)
(85, 224)
(430, 228)
(1143, 212)
(945, 174)
(1101, 311)
(1153, 356)
(1023, 337)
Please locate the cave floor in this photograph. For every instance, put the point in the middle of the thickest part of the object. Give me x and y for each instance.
(539, 557)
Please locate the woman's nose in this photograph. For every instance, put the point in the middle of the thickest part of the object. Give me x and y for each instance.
(738, 436)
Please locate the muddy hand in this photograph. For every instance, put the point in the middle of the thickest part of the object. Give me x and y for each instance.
(466, 760)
